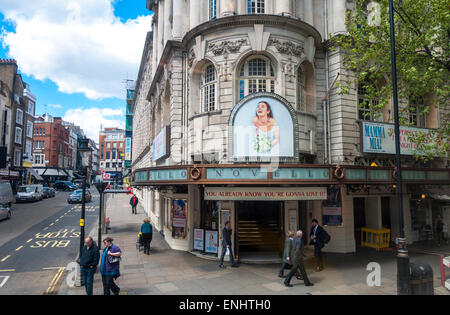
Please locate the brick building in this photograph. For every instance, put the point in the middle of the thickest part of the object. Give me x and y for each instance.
(112, 150)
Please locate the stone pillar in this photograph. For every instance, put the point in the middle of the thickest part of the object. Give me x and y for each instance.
(160, 42)
(373, 213)
(339, 12)
(194, 15)
(283, 7)
(179, 18)
(227, 7)
(167, 21)
(154, 47)
(308, 14)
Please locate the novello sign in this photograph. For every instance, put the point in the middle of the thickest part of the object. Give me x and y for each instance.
(266, 194)
(380, 138)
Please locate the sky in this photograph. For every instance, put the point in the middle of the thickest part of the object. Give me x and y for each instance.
(76, 55)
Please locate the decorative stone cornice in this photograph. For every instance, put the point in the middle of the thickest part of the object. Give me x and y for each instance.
(286, 47)
(226, 47)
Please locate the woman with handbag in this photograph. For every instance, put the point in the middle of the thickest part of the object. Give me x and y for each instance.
(110, 266)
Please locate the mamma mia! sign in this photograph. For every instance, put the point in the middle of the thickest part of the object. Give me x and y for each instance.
(380, 138)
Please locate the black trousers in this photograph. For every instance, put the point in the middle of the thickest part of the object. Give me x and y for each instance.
(319, 256)
(147, 239)
(133, 209)
(109, 285)
(224, 251)
(300, 268)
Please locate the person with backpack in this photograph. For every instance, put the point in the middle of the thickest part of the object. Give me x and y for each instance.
(319, 237)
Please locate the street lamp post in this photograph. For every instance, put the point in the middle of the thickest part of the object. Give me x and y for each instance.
(101, 186)
(85, 151)
(402, 253)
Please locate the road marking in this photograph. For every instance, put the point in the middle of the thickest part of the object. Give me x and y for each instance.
(51, 224)
(56, 220)
(29, 240)
(8, 270)
(2, 283)
(46, 228)
(51, 268)
(55, 280)
(5, 258)
(19, 248)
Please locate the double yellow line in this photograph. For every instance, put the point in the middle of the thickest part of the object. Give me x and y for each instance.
(55, 280)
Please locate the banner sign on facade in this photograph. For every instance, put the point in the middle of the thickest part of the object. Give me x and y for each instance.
(128, 149)
(160, 145)
(332, 216)
(380, 138)
(179, 218)
(199, 239)
(265, 194)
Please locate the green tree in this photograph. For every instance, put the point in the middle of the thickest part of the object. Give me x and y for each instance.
(423, 63)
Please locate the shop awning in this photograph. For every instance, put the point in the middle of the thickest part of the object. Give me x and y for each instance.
(35, 174)
(54, 172)
(439, 194)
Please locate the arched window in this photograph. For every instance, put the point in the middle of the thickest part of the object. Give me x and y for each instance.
(256, 6)
(208, 87)
(301, 86)
(256, 75)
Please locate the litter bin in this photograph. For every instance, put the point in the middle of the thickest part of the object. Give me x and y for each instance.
(421, 279)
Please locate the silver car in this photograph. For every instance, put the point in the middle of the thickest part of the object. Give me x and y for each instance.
(5, 212)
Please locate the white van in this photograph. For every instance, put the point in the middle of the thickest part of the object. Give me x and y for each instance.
(6, 194)
(30, 193)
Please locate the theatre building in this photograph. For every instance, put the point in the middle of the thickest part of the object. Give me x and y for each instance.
(237, 117)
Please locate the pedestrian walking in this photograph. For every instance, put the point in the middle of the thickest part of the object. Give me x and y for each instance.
(297, 262)
(288, 253)
(147, 235)
(110, 266)
(134, 202)
(89, 259)
(227, 245)
(319, 237)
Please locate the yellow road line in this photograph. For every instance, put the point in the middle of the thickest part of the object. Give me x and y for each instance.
(19, 248)
(8, 270)
(29, 240)
(5, 258)
(55, 280)
(51, 224)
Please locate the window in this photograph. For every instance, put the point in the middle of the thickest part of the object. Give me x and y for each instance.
(256, 75)
(108, 145)
(18, 135)
(121, 145)
(255, 6)
(17, 158)
(416, 105)
(108, 155)
(39, 159)
(30, 109)
(301, 81)
(29, 129)
(364, 111)
(208, 88)
(19, 116)
(115, 145)
(108, 164)
(29, 149)
(212, 9)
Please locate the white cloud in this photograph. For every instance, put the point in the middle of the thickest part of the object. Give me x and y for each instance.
(78, 44)
(90, 119)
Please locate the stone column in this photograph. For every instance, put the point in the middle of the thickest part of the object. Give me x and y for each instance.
(339, 11)
(154, 46)
(227, 7)
(309, 11)
(160, 42)
(179, 18)
(283, 7)
(194, 9)
(167, 21)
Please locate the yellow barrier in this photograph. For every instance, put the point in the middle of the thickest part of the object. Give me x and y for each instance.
(377, 239)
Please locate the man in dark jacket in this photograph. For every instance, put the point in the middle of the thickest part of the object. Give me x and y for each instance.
(297, 262)
(288, 253)
(89, 259)
(318, 236)
(134, 202)
(226, 244)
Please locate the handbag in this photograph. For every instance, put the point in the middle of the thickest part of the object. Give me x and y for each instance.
(113, 259)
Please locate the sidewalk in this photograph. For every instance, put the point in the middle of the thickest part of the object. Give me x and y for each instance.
(167, 271)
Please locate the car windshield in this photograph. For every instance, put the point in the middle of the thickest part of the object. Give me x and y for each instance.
(77, 192)
(26, 189)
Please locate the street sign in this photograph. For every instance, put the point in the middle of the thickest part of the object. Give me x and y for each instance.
(106, 176)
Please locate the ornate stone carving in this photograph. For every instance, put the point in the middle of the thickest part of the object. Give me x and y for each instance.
(191, 58)
(226, 47)
(287, 47)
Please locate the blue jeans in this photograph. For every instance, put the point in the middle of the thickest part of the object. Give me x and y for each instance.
(88, 278)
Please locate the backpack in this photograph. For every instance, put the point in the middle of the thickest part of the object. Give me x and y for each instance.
(327, 237)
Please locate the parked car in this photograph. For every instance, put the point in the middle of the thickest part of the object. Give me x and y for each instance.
(77, 196)
(6, 194)
(64, 185)
(29, 193)
(49, 192)
(79, 183)
(5, 212)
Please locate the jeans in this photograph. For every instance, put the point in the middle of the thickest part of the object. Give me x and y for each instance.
(109, 285)
(147, 239)
(319, 256)
(88, 277)
(224, 251)
(133, 209)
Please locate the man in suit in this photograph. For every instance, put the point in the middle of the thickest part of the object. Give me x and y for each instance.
(226, 244)
(288, 253)
(297, 262)
(317, 236)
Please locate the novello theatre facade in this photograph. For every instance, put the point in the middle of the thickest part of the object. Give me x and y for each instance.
(237, 118)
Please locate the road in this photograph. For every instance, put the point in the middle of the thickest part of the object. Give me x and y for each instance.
(39, 241)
